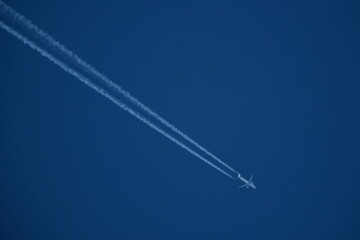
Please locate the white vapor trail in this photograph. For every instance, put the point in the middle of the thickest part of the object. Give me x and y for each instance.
(95, 73)
(103, 92)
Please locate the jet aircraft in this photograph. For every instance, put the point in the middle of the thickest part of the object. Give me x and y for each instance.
(247, 183)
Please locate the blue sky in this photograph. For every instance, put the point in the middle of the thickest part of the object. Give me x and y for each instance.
(272, 88)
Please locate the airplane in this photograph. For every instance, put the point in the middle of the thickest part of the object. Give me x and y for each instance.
(247, 183)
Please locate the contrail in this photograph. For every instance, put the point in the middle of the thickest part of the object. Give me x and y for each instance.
(90, 69)
(103, 92)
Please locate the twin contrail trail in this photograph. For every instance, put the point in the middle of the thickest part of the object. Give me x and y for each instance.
(50, 41)
(103, 92)
(95, 73)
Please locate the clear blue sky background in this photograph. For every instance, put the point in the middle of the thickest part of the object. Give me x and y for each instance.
(271, 87)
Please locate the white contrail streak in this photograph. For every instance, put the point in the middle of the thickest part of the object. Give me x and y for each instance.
(90, 69)
(98, 89)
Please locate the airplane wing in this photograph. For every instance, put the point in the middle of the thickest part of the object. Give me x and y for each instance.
(251, 178)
